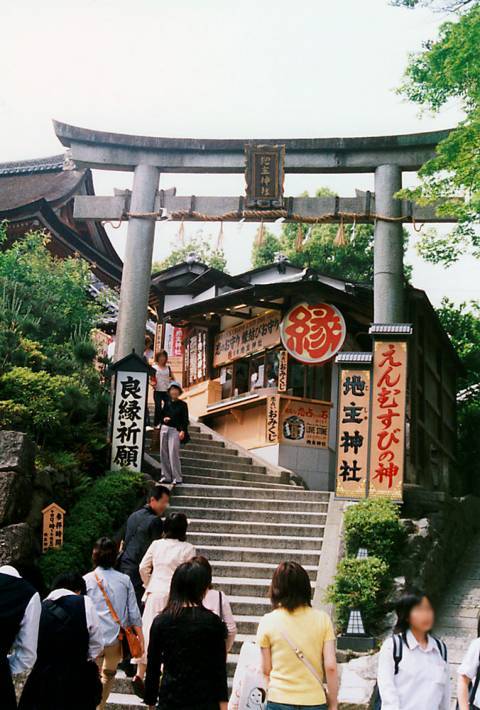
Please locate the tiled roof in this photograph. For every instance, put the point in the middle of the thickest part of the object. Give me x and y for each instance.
(53, 163)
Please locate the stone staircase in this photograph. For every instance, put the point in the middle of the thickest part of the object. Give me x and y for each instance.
(246, 520)
(458, 616)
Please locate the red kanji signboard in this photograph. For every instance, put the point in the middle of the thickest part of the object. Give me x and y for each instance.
(313, 334)
(387, 443)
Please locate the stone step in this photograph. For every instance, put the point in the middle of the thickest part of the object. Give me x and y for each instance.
(268, 542)
(255, 570)
(121, 701)
(246, 513)
(289, 495)
(247, 624)
(249, 605)
(218, 478)
(243, 586)
(184, 497)
(231, 465)
(226, 527)
(257, 554)
(211, 455)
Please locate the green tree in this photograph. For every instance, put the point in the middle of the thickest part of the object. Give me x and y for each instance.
(449, 70)
(462, 324)
(200, 246)
(352, 261)
(49, 386)
(448, 5)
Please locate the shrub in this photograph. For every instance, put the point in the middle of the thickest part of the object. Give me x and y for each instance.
(374, 524)
(100, 511)
(360, 584)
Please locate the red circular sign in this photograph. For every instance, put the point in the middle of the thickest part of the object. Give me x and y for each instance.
(313, 333)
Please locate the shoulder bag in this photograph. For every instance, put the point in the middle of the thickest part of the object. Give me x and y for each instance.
(127, 634)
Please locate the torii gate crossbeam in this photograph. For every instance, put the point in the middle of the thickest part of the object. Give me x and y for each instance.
(386, 156)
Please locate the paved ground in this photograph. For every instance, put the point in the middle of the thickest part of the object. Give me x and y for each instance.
(458, 615)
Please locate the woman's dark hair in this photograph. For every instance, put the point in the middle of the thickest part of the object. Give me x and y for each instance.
(409, 599)
(200, 560)
(175, 527)
(73, 581)
(189, 585)
(105, 552)
(290, 587)
(161, 353)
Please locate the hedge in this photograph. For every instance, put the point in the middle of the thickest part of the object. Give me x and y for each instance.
(100, 511)
(375, 525)
(360, 584)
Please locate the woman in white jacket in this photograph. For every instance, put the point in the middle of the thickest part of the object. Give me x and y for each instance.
(156, 570)
(413, 672)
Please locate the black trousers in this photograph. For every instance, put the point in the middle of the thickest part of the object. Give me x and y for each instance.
(160, 399)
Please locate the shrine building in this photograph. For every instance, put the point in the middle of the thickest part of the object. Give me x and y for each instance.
(224, 337)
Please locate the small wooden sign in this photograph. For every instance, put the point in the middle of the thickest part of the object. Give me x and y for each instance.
(282, 370)
(272, 420)
(53, 520)
(265, 175)
(304, 423)
(250, 336)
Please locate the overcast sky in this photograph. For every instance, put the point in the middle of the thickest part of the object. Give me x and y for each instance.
(217, 68)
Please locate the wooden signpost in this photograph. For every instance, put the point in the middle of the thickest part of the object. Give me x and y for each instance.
(53, 521)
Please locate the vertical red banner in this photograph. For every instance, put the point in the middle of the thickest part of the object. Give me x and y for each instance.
(387, 438)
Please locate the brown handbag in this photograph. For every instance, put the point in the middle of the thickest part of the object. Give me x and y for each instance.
(127, 634)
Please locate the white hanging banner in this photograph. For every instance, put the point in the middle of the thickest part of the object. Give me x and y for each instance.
(129, 420)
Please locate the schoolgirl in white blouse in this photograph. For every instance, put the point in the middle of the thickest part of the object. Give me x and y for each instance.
(414, 675)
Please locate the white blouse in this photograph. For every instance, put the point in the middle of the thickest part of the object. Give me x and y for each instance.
(422, 681)
(160, 562)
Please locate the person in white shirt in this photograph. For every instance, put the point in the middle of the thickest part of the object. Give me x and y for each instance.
(421, 680)
(156, 570)
(20, 610)
(468, 686)
(161, 382)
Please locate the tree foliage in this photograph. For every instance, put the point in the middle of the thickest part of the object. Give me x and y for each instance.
(449, 70)
(199, 245)
(352, 261)
(442, 5)
(49, 386)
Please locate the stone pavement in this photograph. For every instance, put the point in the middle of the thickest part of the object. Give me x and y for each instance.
(458, 614)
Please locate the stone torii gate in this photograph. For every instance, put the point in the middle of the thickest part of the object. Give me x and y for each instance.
(147, 157)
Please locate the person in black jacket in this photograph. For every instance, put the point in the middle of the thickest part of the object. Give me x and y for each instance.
(143, 527)
(173, 432)
(188, 642)
(65, 675)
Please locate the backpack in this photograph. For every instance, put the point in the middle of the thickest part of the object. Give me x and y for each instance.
(398, 641)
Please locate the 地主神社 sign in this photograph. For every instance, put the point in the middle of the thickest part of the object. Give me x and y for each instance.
(387, 437)
(264, 175)
(352, 438)
(304, 423)
(129, 409)
(244, 339)
(53, 520)
(313, 334)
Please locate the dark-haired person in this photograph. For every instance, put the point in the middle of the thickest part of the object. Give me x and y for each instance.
(293, 624)
(143, 527)
(20, 610)
(65, 674)
(106, 587)
(156, 569)
(162, 379)
(468, 687)
(218, 602)
(188, 642)
(173, 432)
(421, 678)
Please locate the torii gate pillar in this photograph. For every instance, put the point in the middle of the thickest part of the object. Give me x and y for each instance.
(388, 248)
(137, 268)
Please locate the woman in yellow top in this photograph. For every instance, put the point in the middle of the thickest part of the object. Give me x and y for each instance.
(293, 625)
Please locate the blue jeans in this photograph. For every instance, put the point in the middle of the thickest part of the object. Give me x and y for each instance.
(281, 706)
